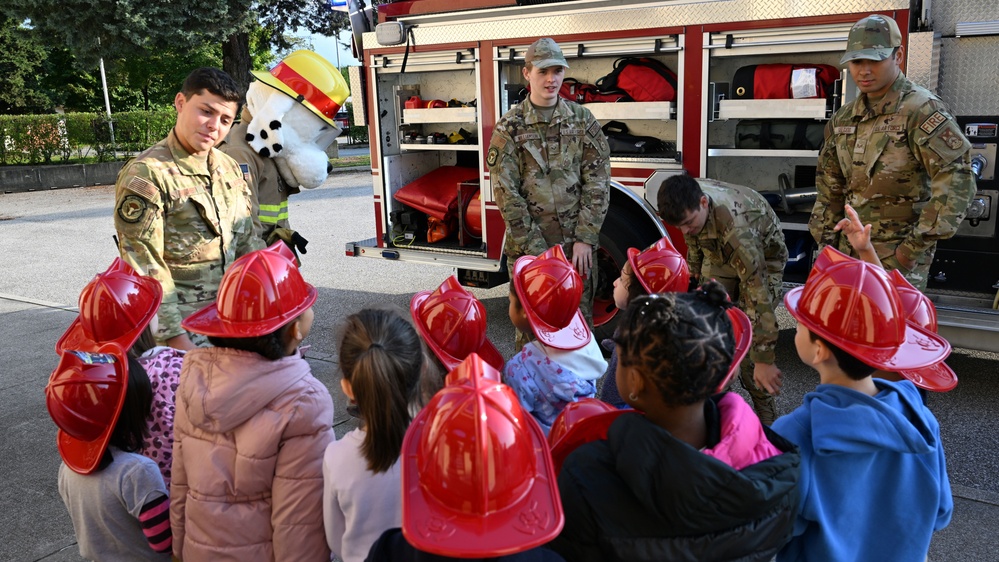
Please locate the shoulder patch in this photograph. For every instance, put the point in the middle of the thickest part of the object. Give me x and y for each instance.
(245, 168)
(933, 122)
(498, 141)
(132, 208)
(143, 188)
(593, 129)
(492, 156)
(952, 139)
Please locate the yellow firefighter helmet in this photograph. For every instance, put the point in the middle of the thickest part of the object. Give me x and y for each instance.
(310, 79)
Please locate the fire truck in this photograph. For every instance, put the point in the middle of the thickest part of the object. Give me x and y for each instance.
(437, 71)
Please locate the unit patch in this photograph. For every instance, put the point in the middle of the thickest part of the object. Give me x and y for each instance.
(132, 209)
(593, 129)
(932, 122)
(492, 156)
(951, 139)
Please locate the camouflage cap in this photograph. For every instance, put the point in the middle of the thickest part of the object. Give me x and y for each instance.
(872, 38)
(545, 53)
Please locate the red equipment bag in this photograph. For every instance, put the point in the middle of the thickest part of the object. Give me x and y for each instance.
(436, 193)
(784, 81)
(581, 92)
(641, 78)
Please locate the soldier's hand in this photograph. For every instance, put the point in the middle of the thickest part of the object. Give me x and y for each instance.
(582, 258)
(904, 261)
(768, 377)
(182, 342)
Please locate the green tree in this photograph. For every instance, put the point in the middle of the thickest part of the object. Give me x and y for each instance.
(118, 29)
(21, 55)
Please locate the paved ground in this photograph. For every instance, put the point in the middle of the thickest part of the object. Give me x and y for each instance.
(53, 242)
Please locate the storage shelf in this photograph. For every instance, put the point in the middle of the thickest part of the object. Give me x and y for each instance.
(648, 110)
(458, 147)
(772, 109)
(440, 115)
(762, 153)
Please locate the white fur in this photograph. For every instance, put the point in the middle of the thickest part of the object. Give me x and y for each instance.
(300, 161)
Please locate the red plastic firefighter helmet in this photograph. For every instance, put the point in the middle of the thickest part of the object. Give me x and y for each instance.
(116, 306)
(477, 478)
(84, 397)
(579, 423)
(549, 290)
(660, 268)
(919, 310)
(259, 293)
(742, 332)
(453, 323)
(854, 306)
(310, 79)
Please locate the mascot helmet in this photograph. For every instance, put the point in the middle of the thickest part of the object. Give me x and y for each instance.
(310, 79)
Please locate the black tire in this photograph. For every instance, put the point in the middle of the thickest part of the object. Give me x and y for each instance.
(623, 228)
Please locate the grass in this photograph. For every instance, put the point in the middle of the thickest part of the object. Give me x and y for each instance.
(350, 161)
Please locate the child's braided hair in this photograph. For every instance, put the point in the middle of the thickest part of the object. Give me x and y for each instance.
(680, 342)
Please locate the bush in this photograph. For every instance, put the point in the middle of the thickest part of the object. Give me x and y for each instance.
(38, 139)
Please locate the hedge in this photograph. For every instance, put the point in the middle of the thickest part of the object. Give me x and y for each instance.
(39, 139)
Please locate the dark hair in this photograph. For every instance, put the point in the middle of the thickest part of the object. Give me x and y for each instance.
(635, 287)
(853, 367)
(132, 426)
(272, 345)
(382, 357)
(216, 81)
(678, 195)
(145, 342)
(680, 342)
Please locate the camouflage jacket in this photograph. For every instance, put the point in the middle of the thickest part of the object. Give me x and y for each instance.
(182, 220)
(742, 243)
(551, 181)
(903, 164)
(268, 189)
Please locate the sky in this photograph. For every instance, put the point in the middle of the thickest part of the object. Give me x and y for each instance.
(327, 47)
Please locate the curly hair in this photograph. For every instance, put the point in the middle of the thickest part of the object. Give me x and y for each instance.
(682, 343)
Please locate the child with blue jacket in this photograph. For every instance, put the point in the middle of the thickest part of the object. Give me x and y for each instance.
(874, 479)
(564, 362)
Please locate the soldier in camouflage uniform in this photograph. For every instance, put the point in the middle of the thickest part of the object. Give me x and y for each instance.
(896, 155)
(182, 208)
(549, 164)
(734, 236)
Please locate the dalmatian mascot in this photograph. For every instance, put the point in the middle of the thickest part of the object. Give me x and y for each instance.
(281, 141)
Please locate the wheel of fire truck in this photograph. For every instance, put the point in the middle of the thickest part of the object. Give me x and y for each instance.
(630, 223)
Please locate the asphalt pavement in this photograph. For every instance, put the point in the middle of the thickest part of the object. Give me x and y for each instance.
(53, 242)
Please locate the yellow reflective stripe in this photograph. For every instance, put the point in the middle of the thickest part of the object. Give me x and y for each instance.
(272, 214)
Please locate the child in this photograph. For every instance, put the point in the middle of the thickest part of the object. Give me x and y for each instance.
(874, 478)
(658, 269)
(917, 306)
(453, 324)
(477, 479)
(115, 497)
(382, 360)
(252, 423)
(697, 476)
(119, 305)
(562, 365)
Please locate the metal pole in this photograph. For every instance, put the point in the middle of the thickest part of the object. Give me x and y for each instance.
(107, 105)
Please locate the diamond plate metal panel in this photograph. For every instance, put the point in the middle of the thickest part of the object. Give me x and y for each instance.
(969, 75)
(560, 19)
(922, 64)
(946, 13)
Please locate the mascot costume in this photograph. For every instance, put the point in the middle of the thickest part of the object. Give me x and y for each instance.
(281, 141)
